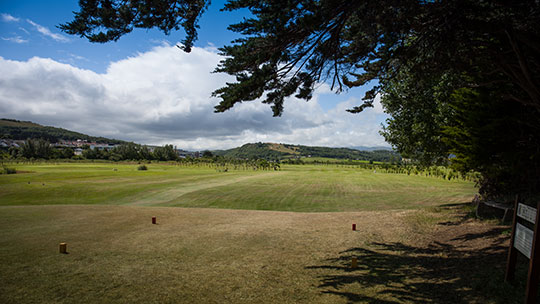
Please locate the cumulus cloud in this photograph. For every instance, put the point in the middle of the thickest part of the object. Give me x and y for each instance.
(9, 18)
(163, 96)
(46, 32)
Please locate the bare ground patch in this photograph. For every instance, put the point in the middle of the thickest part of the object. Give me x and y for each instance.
(236, 256)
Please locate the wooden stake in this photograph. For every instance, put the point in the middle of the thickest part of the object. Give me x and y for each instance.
(63, 248)
(512, 252)
(154, 220)
(354, 227)
(354, 262)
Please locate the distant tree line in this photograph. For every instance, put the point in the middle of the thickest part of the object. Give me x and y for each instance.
(42, 149)
(37, 149)
(132, 151)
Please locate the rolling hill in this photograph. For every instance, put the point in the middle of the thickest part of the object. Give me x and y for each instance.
(274, 151)
(22, 130)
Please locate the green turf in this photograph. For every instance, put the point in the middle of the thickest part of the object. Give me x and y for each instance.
(115, 255)
(308, 188)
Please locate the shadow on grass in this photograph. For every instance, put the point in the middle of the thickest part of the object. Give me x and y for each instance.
(442, 272)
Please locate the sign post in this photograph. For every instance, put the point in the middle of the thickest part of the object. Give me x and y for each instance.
(527, 242)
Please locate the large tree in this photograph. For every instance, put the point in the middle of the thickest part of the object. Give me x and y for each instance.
(108, 20)
(419, 55)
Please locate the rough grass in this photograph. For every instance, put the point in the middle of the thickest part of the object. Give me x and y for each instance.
(295, 188)
(412, 246)
(282, 148)
(196, 255)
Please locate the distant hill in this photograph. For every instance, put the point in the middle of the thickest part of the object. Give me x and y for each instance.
(22, 130)
(364, 148)
(273, 151)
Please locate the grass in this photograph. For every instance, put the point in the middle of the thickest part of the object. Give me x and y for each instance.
(336, 160)
(197, 255)
(295, 188)
(415, 242)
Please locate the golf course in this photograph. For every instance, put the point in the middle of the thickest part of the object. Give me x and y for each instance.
(244, 236)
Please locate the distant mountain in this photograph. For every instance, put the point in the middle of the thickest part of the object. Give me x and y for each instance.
(273, 151)
(364, 148)
(22, 130)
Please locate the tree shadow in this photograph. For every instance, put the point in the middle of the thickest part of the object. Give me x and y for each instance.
(440, 272)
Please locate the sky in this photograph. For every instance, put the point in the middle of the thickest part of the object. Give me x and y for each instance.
(142, 88)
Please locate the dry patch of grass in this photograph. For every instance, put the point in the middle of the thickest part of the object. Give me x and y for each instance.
(237, 256)
(282, 148)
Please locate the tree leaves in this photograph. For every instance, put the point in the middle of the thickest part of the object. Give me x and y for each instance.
(108, 20)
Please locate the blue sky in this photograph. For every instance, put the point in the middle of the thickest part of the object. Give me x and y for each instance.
(144, 89)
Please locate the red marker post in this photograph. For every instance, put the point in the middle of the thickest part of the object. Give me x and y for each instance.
(154, 220)
(354, 227)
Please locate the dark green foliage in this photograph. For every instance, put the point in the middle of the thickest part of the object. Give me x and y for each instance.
(128, 151)
(144, 153)
(66, 153)
(497, 138)
(36, 149)
(6, 170)
(207, 154)
(132, 151)
(289, 46)
(142, 168)
(166, 152)
(419, 111)
(483, 129)
(108, 20)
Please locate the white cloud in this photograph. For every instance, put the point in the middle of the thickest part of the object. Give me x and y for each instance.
(377, 106)
(24, 30)
(16, 39)
(163, 96)
(9, 18)
(46, 32)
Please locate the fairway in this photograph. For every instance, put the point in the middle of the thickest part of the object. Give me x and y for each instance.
(308, 188)
(414, 240)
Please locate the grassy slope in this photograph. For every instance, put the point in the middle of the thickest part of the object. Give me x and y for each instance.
(23, 130)
(282, 148)
(295, 188)
(12, 123)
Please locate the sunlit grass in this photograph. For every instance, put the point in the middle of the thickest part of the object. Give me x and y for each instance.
(218, 255)
(307, 188)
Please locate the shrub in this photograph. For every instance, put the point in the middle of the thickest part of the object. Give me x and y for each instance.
(6, 170)
(142, 168)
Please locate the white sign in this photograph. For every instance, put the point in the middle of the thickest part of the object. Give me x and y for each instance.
(523, 240)
(527, 213)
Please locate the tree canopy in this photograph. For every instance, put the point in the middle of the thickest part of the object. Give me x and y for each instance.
(108, 20)
(443, 68)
